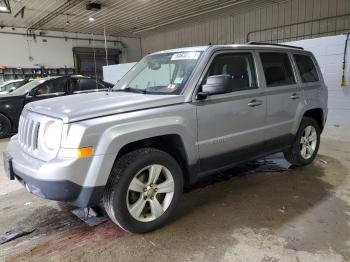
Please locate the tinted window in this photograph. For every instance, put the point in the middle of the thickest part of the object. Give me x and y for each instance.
(53, 86)
(86, 84)
(307, 69)
(277, 68)
(239, 66)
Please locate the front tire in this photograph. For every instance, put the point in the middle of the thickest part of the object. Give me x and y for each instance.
(305, 146)
(143, 190)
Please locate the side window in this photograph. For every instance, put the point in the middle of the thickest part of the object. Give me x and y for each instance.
(277, 68)
(86, 84)
(53, 86)
(306, 68)
(240, 67)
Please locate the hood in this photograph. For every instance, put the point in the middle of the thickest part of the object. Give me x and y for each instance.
(84, 106)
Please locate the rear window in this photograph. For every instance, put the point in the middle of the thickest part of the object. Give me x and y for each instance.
(277, 68)
(306, 68)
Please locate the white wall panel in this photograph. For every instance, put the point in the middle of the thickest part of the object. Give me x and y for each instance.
(329, 53)
(16, 49)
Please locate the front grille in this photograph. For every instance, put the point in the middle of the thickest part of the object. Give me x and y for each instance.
(28, 130)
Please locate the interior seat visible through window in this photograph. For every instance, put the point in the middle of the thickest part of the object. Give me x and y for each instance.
(239, 67)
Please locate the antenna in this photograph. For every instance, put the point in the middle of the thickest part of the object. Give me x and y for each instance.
(93, 48)
(104, 33)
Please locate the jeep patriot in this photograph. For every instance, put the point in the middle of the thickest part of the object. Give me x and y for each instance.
(176, 116)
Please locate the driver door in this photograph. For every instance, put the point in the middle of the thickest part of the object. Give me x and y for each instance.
(230, 125)
(49, 89)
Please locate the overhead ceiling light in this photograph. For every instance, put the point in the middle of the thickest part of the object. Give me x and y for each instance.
(91, 19)
(5, 6)
(67, 21)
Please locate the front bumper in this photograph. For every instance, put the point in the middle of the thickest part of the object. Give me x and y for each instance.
(60, 179)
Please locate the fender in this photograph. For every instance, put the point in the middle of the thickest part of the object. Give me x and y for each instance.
(109, 134)
(307, 105)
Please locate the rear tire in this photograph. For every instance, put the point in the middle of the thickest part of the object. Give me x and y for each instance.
(143, 190)
(5, 126)
(305, 146)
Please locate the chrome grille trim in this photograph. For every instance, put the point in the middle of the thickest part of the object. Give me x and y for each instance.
(28, 130)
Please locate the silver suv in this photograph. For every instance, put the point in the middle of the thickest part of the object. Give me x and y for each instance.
(177, 116)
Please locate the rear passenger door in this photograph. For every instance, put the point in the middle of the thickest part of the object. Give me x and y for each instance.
(230, 125)
(283, 98)
(309, 78)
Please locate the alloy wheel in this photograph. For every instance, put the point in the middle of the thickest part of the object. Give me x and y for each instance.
(150, 193)
(308, 142)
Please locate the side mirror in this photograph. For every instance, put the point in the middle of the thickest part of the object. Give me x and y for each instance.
(32, 93)
(215, 85)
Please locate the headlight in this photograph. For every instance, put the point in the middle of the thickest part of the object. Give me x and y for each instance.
(52, 135)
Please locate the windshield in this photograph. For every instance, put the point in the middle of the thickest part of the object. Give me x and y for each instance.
(27, 87)
(159, 74)
(6, 87)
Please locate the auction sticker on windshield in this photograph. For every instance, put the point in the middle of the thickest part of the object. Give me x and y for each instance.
(186, 56)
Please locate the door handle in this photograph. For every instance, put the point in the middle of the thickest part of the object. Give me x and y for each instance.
(255, 103)
(294, 96)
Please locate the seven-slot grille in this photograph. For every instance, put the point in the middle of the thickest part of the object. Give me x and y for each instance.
(28, 130)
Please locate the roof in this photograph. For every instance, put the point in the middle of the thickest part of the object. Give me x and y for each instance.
(184, 49)
(233, 46)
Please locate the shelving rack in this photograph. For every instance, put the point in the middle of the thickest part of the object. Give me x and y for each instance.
(21, 73)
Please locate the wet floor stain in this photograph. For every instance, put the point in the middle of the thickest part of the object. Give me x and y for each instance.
(260, 194)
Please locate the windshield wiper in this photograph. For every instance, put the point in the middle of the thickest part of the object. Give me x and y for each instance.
(131, 90)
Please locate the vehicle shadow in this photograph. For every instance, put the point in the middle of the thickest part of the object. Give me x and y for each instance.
(254, 195)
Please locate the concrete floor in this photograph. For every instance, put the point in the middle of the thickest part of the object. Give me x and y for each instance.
(301, 214)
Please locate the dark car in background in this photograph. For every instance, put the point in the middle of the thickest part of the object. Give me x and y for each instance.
(11, 85)
(11, 104)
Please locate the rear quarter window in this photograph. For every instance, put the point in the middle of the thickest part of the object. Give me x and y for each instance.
(306, 68)
(277, 69)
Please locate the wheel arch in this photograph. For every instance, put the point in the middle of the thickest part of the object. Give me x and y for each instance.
(169, 143)
(318, 115)
(314, 112)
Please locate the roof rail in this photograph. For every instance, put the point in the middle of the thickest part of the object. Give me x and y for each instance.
(281, 45)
